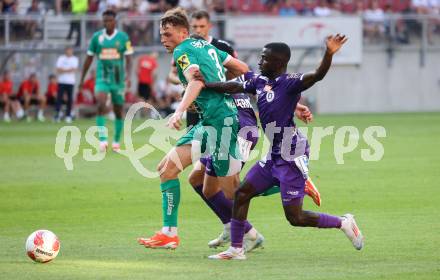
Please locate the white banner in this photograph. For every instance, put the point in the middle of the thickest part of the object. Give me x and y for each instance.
(298, 32)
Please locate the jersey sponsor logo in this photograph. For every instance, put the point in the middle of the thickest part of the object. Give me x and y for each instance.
(128, 47)
(109, 54)
(294, 76)
(183, 62)
(293, 192)
(199, 44)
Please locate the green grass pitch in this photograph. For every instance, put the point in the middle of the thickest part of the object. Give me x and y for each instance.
(100, 208)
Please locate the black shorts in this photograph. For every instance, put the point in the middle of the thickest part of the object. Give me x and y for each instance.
(34, 100)
(144, 91)
(51, 100)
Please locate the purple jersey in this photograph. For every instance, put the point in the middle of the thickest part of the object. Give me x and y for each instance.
(276, 101)
(246, 114)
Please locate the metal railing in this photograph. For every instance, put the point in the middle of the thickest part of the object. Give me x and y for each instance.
(47, 33)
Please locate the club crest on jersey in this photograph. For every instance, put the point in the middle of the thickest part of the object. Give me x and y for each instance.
(183, 62)
(270, 95)
(101, 38)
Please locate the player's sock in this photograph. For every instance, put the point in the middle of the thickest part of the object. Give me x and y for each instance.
(119, 125)
(100, 123)
(170, 202)
(170, 231)
(237, 233)
(222, 206)
(328, 221)
(199, 190)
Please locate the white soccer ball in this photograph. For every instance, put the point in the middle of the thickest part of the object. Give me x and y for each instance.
(42, 246)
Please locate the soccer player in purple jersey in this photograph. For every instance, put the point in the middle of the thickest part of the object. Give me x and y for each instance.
(277, 93)
(219, 197)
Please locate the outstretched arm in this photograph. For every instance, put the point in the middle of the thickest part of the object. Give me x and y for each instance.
(220, 87)
(333, 43)
(235, 68)
(226, 87)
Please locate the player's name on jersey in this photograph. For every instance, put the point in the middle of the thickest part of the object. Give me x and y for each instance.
(109, 53)
(243, 103)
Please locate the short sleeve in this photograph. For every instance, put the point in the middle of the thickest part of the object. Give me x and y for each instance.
(59, 62)
(91, 51)
(249, 85)
(224, 57)
(75, 63)
(185, 59)
(294, 82)
(128, 48)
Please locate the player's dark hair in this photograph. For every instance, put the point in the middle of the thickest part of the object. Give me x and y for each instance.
(175, 17)
(109, 13)
(279, 48)
(201, 14)
(51, 76)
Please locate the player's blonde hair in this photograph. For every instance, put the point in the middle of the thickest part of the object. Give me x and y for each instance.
(175, 17)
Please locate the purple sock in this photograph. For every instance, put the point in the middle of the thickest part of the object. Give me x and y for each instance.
(223, 206)
(328, 221)
(237, 233)
(199, 190)
(247, 226)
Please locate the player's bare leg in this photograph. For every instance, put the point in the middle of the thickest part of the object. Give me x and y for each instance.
(5, 100)
(27, 105)
(119, 124)
(169, 168)
(301, 218)
(42, 106)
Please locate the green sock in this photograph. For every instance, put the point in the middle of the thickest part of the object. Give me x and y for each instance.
(170, 202)
(119, 125)
(100, 122)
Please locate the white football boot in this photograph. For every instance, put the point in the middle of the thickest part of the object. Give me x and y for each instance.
(352, 231)
(230, 254)
(251, 243)
(223, 239)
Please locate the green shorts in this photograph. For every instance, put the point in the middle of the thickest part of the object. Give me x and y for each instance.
(117, 91)
(224, 152)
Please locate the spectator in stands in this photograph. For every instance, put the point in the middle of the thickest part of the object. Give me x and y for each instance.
(287, 8)
(6, 86)
(325, 8)
(374, 18)
(147, 71)
(79, 7)
(29, 94)
(66, 66)
(52, 90)
(32, 26)
(309, 6)
(8, 6)
(191, 5)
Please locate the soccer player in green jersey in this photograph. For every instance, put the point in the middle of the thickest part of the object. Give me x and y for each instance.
(112, 47)
(218, 112)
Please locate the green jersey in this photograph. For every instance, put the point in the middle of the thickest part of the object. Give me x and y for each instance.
(190, 53)
(110, 51)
